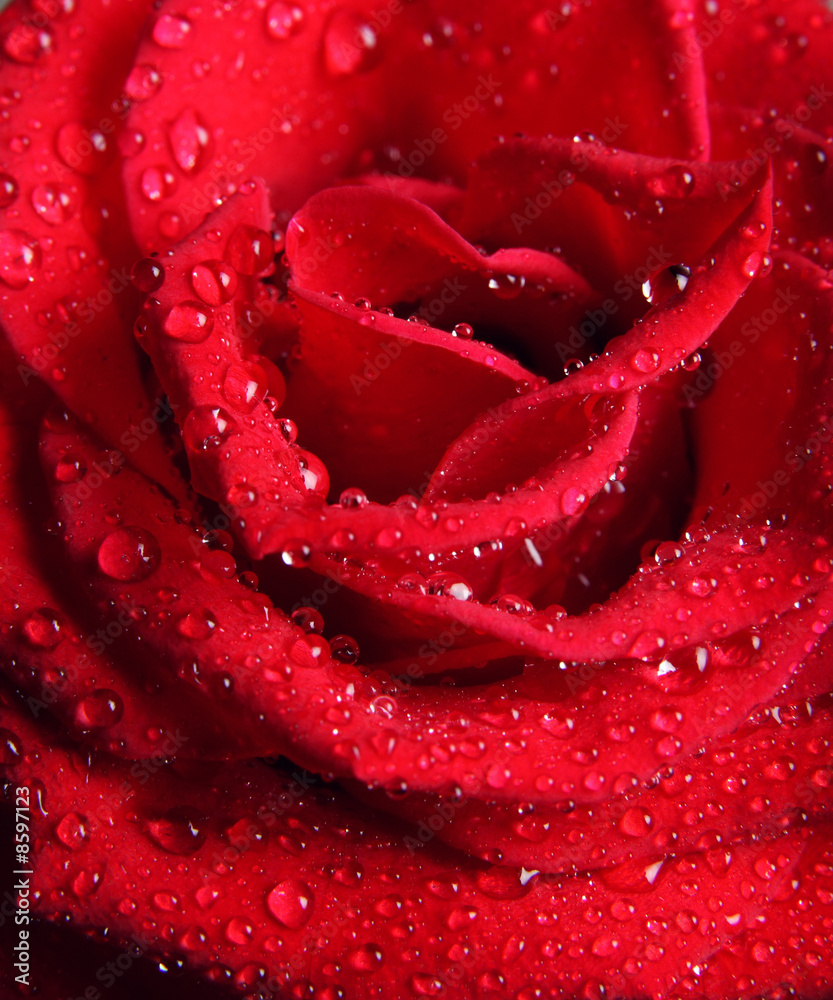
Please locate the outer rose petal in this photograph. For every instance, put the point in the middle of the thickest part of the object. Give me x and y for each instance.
(613, 213)
(63, 303)
(776, 399)
(794, 47)
(323, 92)
(295, 700)
(471, 919)
(773, 772)
(49, 650)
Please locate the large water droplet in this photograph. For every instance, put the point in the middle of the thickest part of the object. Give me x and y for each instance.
(157, 183)
(188, 138)
(197, 624)
(350, 44)
(250, 250)
(171, 32)
(147, 275)
(44, 628)
(291, 903)
(245, 385)
(178, 831)
(214, 281)
(73, 831)
(8, 190)
(26, 43)
(142, 82)
(190, 322)
(100, 709)
(129, 554)
(82, 149)
(54, 203)
(283, 20)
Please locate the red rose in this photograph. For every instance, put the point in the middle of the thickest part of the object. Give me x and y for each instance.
(439, 605)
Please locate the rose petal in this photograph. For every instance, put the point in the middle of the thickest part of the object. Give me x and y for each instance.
(488, 912)
(770, 774)
(616, 216)
(363, 376)
(63, 302)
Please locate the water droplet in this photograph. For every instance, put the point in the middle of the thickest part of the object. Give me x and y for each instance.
(214, 281)
(426, 985)
(10, 747)
(753, 264)
(142, 82)
(701, 586)
(197, 624)
(502, 883)
(344, 648)
(82, 149)
(350, 44)
(245, 385)
(26, 43)
(314, 472)
(54, 203)
(464, 331)
(646, 362)
(188, 138)
(573, 500)
(44, 628)
(449, 585)
(8, 190)
(100, 709)
(506, 286)
(250, 250)
(87, 882)
(20, 257)
(73, 831)
(635, 822)
(283, 20)
(239, 931)
(190, 322)
(178, 831)
(129, 554)
(147, 275)
(366, 958)
(157, 183)
(171, 32)
(291, 903)
(675, 182)
(296, 552)
(352, 498)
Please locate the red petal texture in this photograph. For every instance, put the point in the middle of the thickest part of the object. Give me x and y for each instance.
(438, 603)
(269, 838)
(67, 665)
(761, 779)
(64, 302)
(309, 80)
